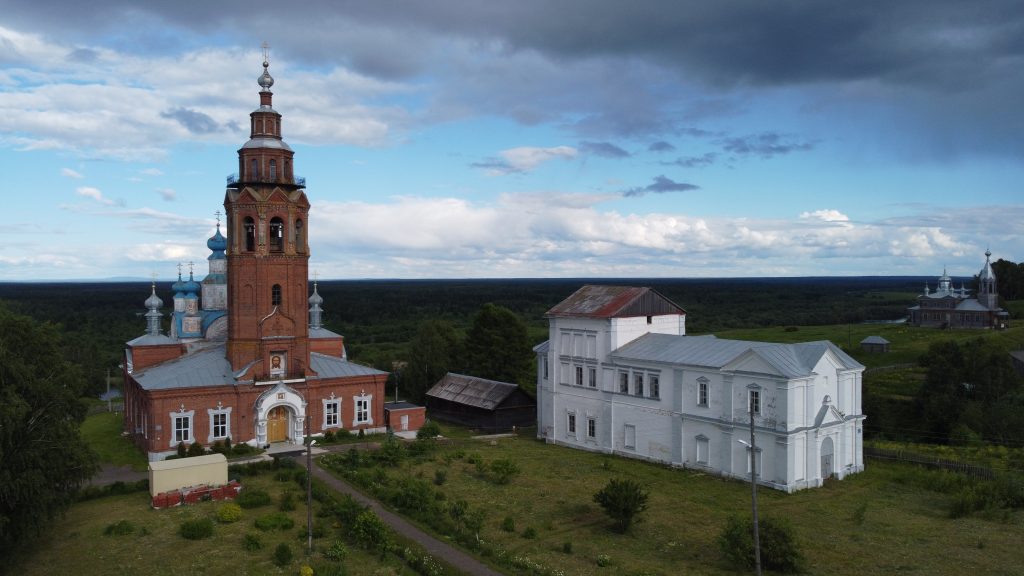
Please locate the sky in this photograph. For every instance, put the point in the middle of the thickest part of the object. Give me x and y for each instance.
(467, 139)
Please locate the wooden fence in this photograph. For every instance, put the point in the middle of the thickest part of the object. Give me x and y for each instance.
(929, 461)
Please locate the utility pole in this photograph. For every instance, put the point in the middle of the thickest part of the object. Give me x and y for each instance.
(753, 488)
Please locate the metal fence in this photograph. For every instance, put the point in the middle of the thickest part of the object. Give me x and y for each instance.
(929, 461)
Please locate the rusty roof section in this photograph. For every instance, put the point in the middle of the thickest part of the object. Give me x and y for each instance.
(596, 301)
(473, 391)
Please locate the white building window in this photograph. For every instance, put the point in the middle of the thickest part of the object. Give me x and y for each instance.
(623, 382)
(757, 460)
(181, 427)
(579, 376)
(591, 428)
(544, 363)
(332, 413)
(638, 384)
(655, 387)
(363, 413)
(220, 424)
(754, 401)
(571, 424)
(592, 377)
(702, 450)
(702, 392)
(629, 433)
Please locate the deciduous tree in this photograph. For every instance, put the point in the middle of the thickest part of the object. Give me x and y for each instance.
(498, 346)
(43, 459)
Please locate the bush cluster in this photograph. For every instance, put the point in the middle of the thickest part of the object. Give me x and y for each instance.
(283, 555)
(196, 529)
(274, 521)
(229, 512)
(91, 492)
(779, 549)
(251, 498)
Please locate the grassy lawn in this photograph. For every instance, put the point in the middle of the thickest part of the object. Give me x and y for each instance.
(103, 434)
(902, 529)
(77, 545)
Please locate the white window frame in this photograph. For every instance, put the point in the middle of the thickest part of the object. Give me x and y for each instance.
(703, 450)
(654, 385)
(578, 370)
(757, 460)
(367, 401)
(570, 424)
(592, 377)
(702, 392)
(547, 368)
(638, 384)
(591, 428)
(212, 413)
(334, 403)
(188, 437)
(629, 436)
(754, 401)
(623, 382)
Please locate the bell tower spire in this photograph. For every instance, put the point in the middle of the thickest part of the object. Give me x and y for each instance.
(267, 252)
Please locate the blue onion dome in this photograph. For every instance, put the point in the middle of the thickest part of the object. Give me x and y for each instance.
(154, 302)
(217, 242)
(179, 286)
(191, 286)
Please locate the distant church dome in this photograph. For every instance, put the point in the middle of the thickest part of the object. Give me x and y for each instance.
(154, 302)
(217, 242)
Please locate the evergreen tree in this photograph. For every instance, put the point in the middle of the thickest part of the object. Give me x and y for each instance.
(498, 346)
(43, 459)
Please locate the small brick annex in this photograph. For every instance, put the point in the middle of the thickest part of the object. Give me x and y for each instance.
(246, 358)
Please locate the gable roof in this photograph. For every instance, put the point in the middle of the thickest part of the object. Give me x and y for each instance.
(207, 367)
(472, 391)
(874, 340)
(333, 367)
(598, 301)
(789, 360)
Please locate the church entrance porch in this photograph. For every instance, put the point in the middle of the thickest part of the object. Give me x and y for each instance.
(280, 416)
(827, 454)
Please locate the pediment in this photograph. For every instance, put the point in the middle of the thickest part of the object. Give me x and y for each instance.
(751, 362)
(828, 414)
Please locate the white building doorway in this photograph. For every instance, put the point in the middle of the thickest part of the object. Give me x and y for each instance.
(827, 458)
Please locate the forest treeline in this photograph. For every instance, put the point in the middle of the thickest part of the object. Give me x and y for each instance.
(380, 318)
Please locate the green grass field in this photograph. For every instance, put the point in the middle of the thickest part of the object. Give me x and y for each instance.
(77, 545)
(902, 529)
(102, 432)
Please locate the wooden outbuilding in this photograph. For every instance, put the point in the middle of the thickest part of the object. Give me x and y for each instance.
(484, 404)
(874, 345)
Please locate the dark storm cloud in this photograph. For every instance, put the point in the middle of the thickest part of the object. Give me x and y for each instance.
(765, 145)
(194, 122)
(604, 149)
(661, 185)
(701, 161)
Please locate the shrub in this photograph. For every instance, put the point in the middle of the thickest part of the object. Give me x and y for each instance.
(508, 524)
(252, 499)
(429, 430)
(622, 500)
(328, 436)
(440, 476)
(567, 547)
(182, 450)
(336, 551)
(391, 452)
(283, 554)
(287, 503)
(196, 529)
(530, 533)
(196, 449)
(604, 560)
(503, 470)
(229, 512)
(371, 532)
(252, 542)
(306, 571)
(119, 528)
(779, 550)
(274, 521)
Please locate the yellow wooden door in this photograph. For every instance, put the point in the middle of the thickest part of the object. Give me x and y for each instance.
(277, 425)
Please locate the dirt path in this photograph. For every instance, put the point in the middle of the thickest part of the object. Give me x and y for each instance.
(436, 548)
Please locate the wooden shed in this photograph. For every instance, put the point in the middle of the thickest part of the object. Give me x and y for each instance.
(480, 403)
(874, 345)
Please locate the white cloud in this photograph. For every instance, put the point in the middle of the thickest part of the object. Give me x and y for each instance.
(94, 194)
(151, 172)
(168, 194)
(826, 215)
(525, 158)
(69, 173)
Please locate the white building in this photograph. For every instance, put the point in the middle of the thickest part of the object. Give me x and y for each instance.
(619, 375)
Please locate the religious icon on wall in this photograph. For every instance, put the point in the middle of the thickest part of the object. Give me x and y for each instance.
(277, 364)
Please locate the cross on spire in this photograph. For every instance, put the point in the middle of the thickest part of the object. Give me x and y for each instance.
(266, 52)
(179, 270)
(217, 214)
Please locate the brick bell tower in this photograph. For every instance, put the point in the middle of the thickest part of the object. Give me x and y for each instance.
(268, 252)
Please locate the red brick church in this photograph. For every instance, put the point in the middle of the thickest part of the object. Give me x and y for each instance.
(246, 356)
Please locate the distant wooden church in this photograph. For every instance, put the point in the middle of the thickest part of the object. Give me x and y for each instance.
(950, 307)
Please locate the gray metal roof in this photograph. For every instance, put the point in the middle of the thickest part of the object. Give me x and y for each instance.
(472, 391)
(152, 340)
(323, 333)
(543, 347)
(208, 367)
(266, 143)
(874, 340)
(971, 306)
(400, 405)
(334, 367)
(791, 360)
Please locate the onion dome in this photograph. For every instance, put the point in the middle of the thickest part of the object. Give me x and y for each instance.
(986, 271)
(217, 242)
(154, 302)
(153, 315)
(179, 286)
(265, 80)
(315, 312)
(191, 287)
(315, 299)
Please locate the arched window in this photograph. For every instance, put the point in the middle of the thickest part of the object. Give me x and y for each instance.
(288, 171)
(275, 295)
(250, 233)
(273, 170)
(276, 234)
(300, 244)
(254, 172)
